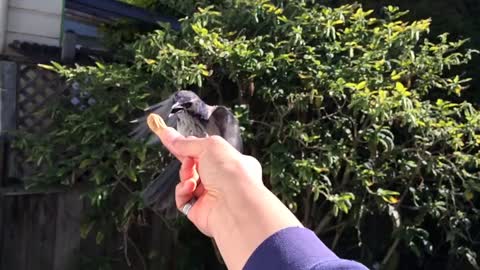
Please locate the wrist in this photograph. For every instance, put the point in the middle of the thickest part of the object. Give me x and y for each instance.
(235, 208)
(245, 218)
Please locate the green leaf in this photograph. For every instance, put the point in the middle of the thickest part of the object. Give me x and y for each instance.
(150, 61)
(99, 176)
(47, 67)
(99, 238)
(100, 65)
(57, 66)
(114, 109)
(85, 163)
(131, 174)
(85, 229)
(361, 85)
(388, 196)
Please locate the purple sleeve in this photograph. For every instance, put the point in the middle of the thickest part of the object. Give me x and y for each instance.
(297, 248)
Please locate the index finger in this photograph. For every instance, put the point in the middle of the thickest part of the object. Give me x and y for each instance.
(188, 169)
(175, 142)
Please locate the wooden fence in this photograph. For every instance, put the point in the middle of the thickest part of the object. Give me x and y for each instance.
(41, 230)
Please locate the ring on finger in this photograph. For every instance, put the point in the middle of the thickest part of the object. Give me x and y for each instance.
(188, 206)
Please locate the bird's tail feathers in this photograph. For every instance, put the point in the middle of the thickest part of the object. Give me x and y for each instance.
(159, 195)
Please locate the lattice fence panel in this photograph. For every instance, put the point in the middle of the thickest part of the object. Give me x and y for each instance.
(37, 88)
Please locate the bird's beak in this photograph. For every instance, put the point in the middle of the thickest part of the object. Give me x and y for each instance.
(175, 108)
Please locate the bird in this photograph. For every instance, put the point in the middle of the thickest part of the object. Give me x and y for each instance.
(191, 116)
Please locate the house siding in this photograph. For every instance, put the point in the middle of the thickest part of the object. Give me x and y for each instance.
(34, 21)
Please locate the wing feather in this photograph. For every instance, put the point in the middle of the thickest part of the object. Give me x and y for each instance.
(142, 132)
(223, 121)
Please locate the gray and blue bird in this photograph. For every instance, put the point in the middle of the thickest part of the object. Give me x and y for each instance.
(187, 113)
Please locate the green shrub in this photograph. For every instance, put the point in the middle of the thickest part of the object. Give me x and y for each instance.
(359, 130)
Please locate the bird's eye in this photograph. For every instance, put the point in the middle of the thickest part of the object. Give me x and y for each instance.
(187, 105)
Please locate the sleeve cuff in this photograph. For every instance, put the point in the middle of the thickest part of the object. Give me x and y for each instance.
(290, 248)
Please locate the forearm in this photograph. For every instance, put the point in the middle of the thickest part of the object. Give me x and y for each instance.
(246, 220)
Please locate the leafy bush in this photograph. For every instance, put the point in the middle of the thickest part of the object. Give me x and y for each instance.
(359, 130)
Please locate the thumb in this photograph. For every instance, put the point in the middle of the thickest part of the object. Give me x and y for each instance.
(175, 142)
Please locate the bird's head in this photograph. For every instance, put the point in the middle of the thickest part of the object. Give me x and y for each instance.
(189, 102)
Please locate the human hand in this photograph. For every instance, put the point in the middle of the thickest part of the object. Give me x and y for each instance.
(213, 172)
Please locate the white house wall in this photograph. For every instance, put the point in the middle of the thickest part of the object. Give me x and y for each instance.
(3, 23)
(46, 6)
(37, 21)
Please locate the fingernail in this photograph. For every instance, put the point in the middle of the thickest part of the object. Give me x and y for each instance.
(155, 122)
(190, 185)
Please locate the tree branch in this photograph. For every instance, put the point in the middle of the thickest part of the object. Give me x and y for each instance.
(323, 223)
(307, 201)
(390, 251)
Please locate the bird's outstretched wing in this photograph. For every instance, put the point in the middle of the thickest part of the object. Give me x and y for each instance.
(142, 132)
(223, 123)
(160, 193)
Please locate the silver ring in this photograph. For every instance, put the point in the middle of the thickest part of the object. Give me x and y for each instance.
(186, 208)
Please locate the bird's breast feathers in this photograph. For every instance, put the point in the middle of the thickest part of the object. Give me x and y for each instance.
(188, 125)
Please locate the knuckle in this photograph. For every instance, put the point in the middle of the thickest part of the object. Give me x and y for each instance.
(253, 162)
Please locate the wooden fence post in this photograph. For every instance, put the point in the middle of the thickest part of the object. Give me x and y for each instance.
(8, 112)
(68, 47)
